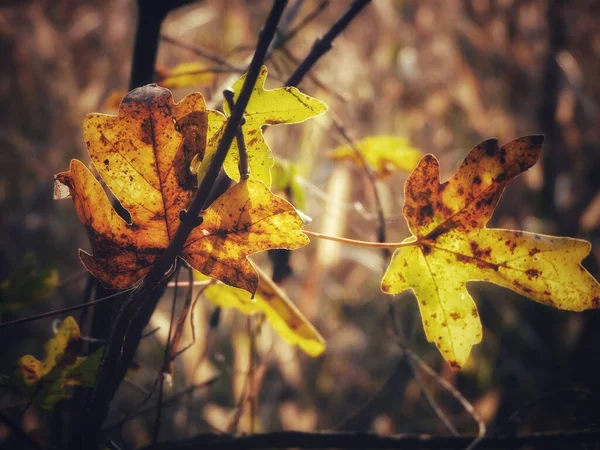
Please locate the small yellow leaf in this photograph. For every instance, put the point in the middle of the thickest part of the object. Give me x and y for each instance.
(270, 299)
(284, 105)
(188, 74)
(45, 380)
(451, 246)
(384, 154)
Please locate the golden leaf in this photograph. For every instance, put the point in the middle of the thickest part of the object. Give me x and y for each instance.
(451, 245)
(143, 155)
(246, 219)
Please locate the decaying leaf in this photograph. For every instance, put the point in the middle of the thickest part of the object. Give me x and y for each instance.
(266, 107)
(188, 74)
(45, 381)
(451, 245)
(384, 154)
(281, 312)
(246, 219)
(143, 155)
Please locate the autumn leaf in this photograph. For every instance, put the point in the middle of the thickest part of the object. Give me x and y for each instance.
(45, 381)
(143, 156)
(280, 311)
(246, 219)
(384, 154)
(187, 74)
(451, 245)
(284, 105)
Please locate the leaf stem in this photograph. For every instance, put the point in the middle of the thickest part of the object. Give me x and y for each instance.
(57, 312)
(359, 243)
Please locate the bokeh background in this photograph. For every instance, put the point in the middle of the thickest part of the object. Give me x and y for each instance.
(445, 75)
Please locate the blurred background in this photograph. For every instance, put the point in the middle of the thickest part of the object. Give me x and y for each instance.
(443, 74)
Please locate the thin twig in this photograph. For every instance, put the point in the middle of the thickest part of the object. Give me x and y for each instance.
(323, 45)
(391, 245)
(441, 415)
(381, 232)
(204, 53)
(24, 439)
(175, 354)
(243, 166)
(251, 370)
(467, 406)
(165, 364)
(57, 312)
(303, 23)
(168, 402)
(315, 79)
(174, 344)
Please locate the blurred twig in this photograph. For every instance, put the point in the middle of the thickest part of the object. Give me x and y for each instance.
(166, 363)
(381, 232)
(204, 53)
(24, 439)
(324, 44)
(57, 312)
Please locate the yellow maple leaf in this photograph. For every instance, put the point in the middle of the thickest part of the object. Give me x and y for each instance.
(284, 105)
(246, 219)
(46, 380)
(451, 245)
(384, 154)
(280, 311)
(143, 156)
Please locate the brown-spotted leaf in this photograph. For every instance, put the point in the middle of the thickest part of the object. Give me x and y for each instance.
(246, 219)
(143, 155)
(451, 245)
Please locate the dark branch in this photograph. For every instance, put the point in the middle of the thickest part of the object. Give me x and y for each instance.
(323, 45)
(297, 439)
(135, 313)
(151, 14)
